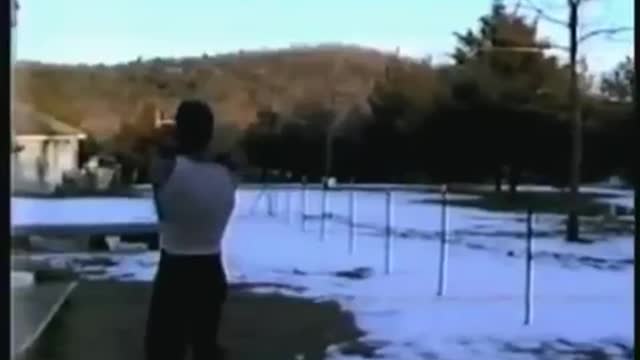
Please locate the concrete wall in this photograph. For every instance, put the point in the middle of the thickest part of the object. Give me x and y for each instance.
(60, 154)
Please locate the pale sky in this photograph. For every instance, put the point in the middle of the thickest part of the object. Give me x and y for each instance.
(111, 31)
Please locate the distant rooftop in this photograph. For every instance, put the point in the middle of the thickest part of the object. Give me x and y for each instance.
(28, 121)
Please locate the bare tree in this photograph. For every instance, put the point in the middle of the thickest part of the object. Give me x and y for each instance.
(619, 83)
(572, 24)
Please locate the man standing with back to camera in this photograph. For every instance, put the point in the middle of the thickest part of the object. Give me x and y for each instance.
(194, 198)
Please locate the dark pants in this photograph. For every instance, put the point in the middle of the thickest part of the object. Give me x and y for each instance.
(185, 309)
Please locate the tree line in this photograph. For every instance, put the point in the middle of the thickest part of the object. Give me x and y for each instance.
(490, 116)
(500, 116)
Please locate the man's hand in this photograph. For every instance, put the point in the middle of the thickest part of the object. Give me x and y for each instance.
(226, 160)
(164, 141)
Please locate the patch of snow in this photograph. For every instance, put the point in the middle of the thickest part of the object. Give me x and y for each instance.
(81, 211)
(481, 315)
(21, 279)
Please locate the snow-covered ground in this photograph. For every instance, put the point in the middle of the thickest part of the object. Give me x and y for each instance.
(81, 211)
(583, 294)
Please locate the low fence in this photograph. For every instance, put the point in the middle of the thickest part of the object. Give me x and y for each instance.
(278, 206)
(270, 194)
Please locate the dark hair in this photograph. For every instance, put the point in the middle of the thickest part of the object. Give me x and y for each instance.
(194, 127)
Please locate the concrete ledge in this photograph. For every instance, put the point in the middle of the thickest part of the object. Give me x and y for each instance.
(83, 229)
(21, 279)
(32, 310)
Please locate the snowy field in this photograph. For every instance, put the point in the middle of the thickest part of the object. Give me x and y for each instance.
(583, 294)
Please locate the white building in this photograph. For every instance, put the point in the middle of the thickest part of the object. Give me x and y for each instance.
(161, 119)
(43, 149)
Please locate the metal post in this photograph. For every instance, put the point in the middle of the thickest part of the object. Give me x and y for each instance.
(636, 172)
(287, 197)
(276, 200)
(528, 299)
(352, 221)
(323, 214)
(304, 203)
(273, 195)
(270, 205)
(388, 249)
(442, 269)
(612, 210)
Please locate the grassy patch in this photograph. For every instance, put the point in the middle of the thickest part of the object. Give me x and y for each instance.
(84, 193)
(608, 226)
(106, 320)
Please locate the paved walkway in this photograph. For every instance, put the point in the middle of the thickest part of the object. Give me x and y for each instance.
(105, 320)
(33, 307)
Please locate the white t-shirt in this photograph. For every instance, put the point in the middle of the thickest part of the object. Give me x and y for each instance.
(194, 206)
